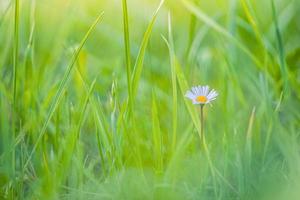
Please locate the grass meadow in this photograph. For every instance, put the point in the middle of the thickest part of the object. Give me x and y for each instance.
(93, 106)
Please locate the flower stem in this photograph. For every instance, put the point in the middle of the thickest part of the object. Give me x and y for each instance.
(202, 122)
(205, 148)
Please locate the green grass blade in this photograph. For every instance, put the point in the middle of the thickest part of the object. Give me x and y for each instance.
(280, 49)
(174, 85)
(81, 118)
(251, 19)
(157, 137)
(249, 136)
(71, 140)
(192, 32)
(61, 87)
(178, 153)
(87, 99)
(183, 85)
(15, 74)
(104, 141)
(214, 25)
(138, 67)
(127, 51)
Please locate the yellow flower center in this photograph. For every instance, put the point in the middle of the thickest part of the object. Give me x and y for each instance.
(201, 99)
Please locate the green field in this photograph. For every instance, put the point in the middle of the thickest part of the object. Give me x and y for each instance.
(93, 106)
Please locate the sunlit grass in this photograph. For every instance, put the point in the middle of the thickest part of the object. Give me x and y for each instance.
(93, 106)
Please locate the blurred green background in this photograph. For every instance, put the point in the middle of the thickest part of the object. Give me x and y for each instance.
(84, 117)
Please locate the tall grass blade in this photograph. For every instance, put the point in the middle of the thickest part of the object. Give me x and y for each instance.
(249, 135)
(251, 19)
(282, 63)
(127, 51)
(138, 67)
(210, 22)
(183, 85)
(174, 85)
(157, 136)
(61, 88)
(81, 118)
(15, 74)
(192, 31)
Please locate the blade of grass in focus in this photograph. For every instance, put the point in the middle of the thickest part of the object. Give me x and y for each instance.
(127, 52)
(138, 67)
(183, 85)
(135, 78)
(61, 88)
(15, 74)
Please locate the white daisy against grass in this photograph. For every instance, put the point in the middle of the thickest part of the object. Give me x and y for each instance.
(201, 94)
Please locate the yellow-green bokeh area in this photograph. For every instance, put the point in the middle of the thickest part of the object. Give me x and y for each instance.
(84, 117)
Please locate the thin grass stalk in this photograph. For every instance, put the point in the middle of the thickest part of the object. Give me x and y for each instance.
(213, 24)
(61, 88)
(157, 137)
(174, 86)
(138, 66)
(127, 52)
(282, 64)
(15, 67)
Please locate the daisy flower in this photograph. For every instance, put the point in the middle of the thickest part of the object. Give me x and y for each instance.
(201, 94)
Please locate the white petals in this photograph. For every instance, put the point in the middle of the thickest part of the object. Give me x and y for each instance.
(195, 90)
(190, 95)
(203, 92)
(212, 94)
(206, 90)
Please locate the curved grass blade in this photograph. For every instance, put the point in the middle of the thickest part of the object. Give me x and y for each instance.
(183, 85)
(81, 118)
(65, 157)
(138, 67)
(127, 51)
(248, 11)
(174, 85)
(280, 49)
(210, 22)
(61, 88)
